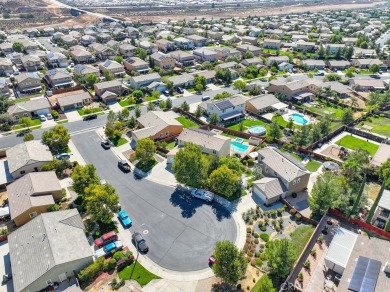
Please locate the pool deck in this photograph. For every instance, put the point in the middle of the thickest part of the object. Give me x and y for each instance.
(249, 150)
(287, 115)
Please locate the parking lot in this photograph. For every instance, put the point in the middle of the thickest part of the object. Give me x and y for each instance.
(181, 231)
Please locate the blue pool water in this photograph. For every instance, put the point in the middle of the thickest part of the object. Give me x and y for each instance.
(298, 119)
(238, 147)
(257, 130)
(239, 140)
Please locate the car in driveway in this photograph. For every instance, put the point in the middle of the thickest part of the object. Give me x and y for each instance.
(180, 90)
(203, 195)
(49, 116)
(113, 246)
(90, 117)
(63, 156)
(124, 218)
(124, 166)
(106, 144)
(166, 93)
(106, 239)
(140, 242)
(42, 118)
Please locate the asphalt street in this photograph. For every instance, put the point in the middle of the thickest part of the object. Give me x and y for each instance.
(181, 231)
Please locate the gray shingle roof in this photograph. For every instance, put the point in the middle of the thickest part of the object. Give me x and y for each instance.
(47, 241)
(155, 121)
(203, 138)
(270, 186)
(29, 106)
(73, 99)
(261, 102)
(27, 153)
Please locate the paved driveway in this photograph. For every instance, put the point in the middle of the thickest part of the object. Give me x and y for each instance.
(5, 266)
(180, 231)
(73, 116)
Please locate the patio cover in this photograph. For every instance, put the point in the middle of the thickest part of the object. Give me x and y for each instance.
(231, 115)
(279, 106)
(302, 95)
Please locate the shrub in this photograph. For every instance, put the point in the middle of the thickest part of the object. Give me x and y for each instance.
(253, 262)
(53, 208)
(55, 114)
(259, 262)
(268, 244)
(251, 221)
(280, 220)
(92, 271)
(245, 247)
(293, 211)
(250, 162)
(4, 231)
(257, 254)
(277, 227)
(248, 259)
(248, 230)
(313, 252)
(256, 240)
(306, 265)
(261, 223)
(109, 265)
(89, 225)
(264, 237)
(248, 240)
(263, 228)
(256, 235)
(253, 249)
(124, 255)
(250, 254)
(262, 245)
(298, 216)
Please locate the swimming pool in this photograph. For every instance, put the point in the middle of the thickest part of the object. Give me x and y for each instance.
(257, 130)
(238, 147)
(298, 119)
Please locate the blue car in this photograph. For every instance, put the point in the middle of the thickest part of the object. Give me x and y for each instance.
(63, 156)
(124, 218)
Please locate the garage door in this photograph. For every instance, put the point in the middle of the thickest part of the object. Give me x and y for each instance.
(258, 193)
(42, 112)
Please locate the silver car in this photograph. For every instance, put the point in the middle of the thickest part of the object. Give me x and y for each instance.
(203, 195)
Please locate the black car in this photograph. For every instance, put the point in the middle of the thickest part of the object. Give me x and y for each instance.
(90, 117)
(140, 242)
(106, 144)
(180, 90)
(124, 166)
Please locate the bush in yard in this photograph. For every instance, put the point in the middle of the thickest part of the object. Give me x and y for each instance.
(55, 114)
(277, 227)
(263, 228)
(313, 252)
(259, 262)
(248, 230)
(298, 217)
(306, 265)
(250, 254)
(109, 265)
(92, 271)
(124, 255)
(293, 211)
(256, 235)
(262, 245)
(246, 245)
(265, 237)
(256, 240)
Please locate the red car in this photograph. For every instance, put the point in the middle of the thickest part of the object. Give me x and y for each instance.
(212, 260)
(106, 239)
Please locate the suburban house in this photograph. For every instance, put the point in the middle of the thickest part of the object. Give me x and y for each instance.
(144, 80)
(335, 65)
(333, 48)
(31, 62)
(367, 84)
(250, 40)
(32, 108)
(56, 60)
(198, 40)
(302, 45)
(165, 45)
(204, 55)
(81, 69)
(229, 110)
(264, 103)
(256, 61)
(27, 157)
(162, 60)
(298, 90)
(74, 101)
(157, 125)
(126, 50)
(28, 82)
(32, 194)
(58, 78)
(365, 53)
(249, 48)
(149, 47)
(276, 60)
(114, 86)
(283, 176)
(103, 52)
(6, 66)
(272, 44)
(184, 43)
(136, 64)
(4, 89)
(365, 63)
(80, 55)
(311, 64)
(50, 248)
(184, 80)
(382, 212)
(183, 59)
(225, 52)
(210, 142)
(113, 67)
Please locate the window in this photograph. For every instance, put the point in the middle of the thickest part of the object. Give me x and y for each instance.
(294, 182)
(22, 172)
(266, 169)
(33, 214)
(298, 180)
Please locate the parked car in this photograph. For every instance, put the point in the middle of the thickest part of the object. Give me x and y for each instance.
(113, 246)
(124, 218)
(203, 195)
(63, 156)
(106, 144)
(204, 98)
(166, 92)
(90, 117)
(106, 239)
(140, 242)
(42, 118)
(49, 116)
(180, 90)
(124, 166)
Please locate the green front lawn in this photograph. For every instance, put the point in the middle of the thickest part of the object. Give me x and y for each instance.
(171, 145)
(17, 100)
(126, 102)
(300, 237)
(313, 165)
(140, 274)
(247, 124)
(186, 122)
(354, 143)
(366, 72)
(380, 125)
(146, 167)
(119, 142)
(35, 124)
(150, 98)
(83, 112)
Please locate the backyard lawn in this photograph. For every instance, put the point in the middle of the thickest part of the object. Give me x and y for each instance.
(312, 165)
(300, 237)
(354, 143)
(140, 274)
(335, 111)
(186, 122)
(282, 122)
(83, 112)
(247, 124)
(379, 125)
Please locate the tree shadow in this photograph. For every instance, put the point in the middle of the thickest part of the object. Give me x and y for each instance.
(188, 205)
(223, 287)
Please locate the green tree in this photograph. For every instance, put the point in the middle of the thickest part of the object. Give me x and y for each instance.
(325, 125)
(137, 111)
(240, 85)
(84, 176)
(316, 133)
(5, 103)
(118, 59)
(185, 106)
(26, 122)
(375, 68)
(18, 47)
(91, 79)
(200, 79)
(101, 201)
(384, 173)
(230, 263)
(248, 55)
(281, 256)
(224, 181)
(198, 87)
(265, 285)
(214, 119)
(56, 138)
(169, 85)
(110, 124)
(138, 94)
(347, 116)
(141, 53)
(274, 130)
(190, 166)
(150, 106)
(168, 103)
(145, 150)
(28, 137)
(325, 191)
(198, 112)
(232, 163)
(350, 72)
(108, 75)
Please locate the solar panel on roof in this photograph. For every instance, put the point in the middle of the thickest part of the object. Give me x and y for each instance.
(365, 275)
(225, 104)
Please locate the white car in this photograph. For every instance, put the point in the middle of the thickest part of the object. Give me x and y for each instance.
(42, 118)
(49, 116)
(113, 246)
(203, 195)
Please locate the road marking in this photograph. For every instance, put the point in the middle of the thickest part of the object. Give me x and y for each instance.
(145, 231)
(84, 130)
